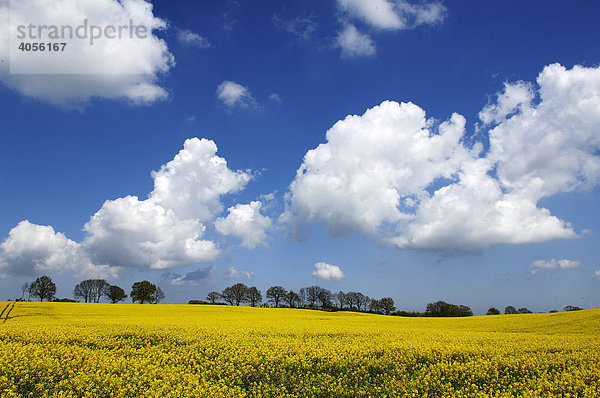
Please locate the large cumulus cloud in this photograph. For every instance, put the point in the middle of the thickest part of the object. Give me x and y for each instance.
(164, 231)
(394, 176)
(128, 68)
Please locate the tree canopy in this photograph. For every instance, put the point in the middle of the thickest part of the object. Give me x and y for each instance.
(276, 294)
(116, 294)
(235, 294)
(510, 310)
(143, 292)
(43, 288)
(254, 296)
(213, 297)
(91, 290)
(441, 308)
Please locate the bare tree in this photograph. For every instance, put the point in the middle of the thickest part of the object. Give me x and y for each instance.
(213, 297)
(83, 290)
(227, 295)
(387, 304)
(43, 288)
(159, 295)
(25, 289)
(91, 290)
(302, 296)
(276, 294)
(325, 297)
(312, 294)
(340, 297)
(376, 306)
(361, 301)
(254, 296)
(351, 300)
(356, 301)
(292, 299)
(235, 294)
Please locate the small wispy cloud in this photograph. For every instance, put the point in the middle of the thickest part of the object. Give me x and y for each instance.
(192, 39)
(191, 278)
(548, 265)
(302, 26)
(233, 94)
(353, 43)
(233, 273)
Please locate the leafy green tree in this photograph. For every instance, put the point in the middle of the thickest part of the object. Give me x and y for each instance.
(441, 308)
(276, 294)
(116, 294)
(572, 308)
(254, 296)
(43, 288)
(465, 310)
(143, 292)
(524, 310)
(493, 311)
(510, 310)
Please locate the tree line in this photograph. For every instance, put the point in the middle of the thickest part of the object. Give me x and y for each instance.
(93, 290)
(306, 297)
(510, 310)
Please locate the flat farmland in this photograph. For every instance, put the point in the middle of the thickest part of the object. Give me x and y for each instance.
(126, 350)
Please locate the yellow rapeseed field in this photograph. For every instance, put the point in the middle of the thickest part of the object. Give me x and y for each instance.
(125, 350)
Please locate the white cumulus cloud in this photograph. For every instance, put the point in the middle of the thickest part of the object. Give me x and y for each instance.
(401, 179)
(328, 272)
(547, 265)
(38, 249)
(232, 94)
(127, 69)
(193, 182)
(233, 273)
(161, 232)
(353, 43)
(245, 222)
(128, 232)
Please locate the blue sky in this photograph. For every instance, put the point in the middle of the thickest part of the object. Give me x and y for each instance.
(494, 206)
